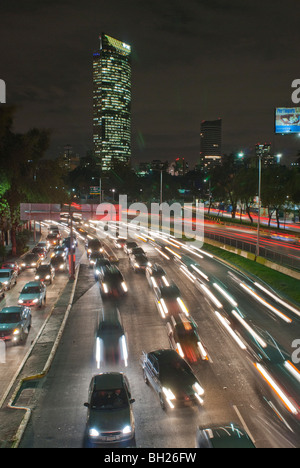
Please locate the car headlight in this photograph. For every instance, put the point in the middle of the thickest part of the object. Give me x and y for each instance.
(93, 432)
(127, 430)
(37, 277)
(35, 301)
(16, 331)
(137, 265)
(124, 286)
(20, 301)
(47, 277)
(169, 396)
(33, 264)
(105, 288)
(61, 266)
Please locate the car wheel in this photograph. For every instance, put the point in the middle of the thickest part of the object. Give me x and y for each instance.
(145, 377)
(162, 402)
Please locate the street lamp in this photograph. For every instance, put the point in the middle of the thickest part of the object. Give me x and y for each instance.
(259, 206)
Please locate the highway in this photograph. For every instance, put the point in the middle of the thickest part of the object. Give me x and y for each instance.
(234, 390)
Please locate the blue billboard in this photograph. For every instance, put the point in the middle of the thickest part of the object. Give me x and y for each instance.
(287, 120)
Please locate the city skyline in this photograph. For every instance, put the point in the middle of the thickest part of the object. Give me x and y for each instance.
(192, 62)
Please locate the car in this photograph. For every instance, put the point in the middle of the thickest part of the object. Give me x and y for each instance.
(229, 435)
(129, 245)
(111, 282)
(59, 263)
(15, 324)
(138, 262)
(12, 265)
(53, 240)
(172, 379)
(33, 294)
(100, 263)
(8, 278)
(93, 257)
(119, 243)
(31, 260)
(110, 417)
(60, 250)
(183, 336)
(53, 229)
(111, 343)
(67, 242)
(45, 273)
(169, 301)
(156, 276)
(44, 245)
(39, 251)
(93, 245)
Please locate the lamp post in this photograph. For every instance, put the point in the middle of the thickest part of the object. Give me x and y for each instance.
(259, 206)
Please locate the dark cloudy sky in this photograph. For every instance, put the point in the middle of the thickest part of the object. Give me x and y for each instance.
(192, 60)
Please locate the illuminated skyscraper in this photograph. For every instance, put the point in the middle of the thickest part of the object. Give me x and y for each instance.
(112, 102)
(211, 143)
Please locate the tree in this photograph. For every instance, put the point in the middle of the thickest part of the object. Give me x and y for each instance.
(20, 156)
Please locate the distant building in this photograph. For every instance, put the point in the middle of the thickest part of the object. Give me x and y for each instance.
(68, 159)
(211, 143)
(112, 102)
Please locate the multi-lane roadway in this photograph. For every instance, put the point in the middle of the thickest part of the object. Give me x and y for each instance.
(235, 389)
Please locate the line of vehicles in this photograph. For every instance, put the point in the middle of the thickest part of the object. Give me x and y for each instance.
(16, 321)
(166, 370)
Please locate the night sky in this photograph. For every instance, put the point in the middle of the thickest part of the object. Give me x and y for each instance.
(192, 60)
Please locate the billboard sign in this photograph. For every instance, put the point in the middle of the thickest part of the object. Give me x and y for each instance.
(287, 120)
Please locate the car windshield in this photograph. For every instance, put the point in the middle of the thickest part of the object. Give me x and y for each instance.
(170, 292)
(109, 327)
(185, 331)
(42, 268)
(10, 318)
(4, 274)
(30, 290)
(138, 251)
(176, 365)
(94, 244)
(109, 399)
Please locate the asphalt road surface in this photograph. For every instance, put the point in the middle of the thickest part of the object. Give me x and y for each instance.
(233, 391)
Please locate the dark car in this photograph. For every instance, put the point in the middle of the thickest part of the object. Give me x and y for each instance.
(138, 262)
(184, 338)
(31, 260)
(111, 343)
(53, 239)
(60, 250)
(169, 301)
(172, 379)
(8, 278)
(100, 263)
(45, 273)
(129, 245)
(156, 276)
(15, 324)
(93, 257)
(40, 251)
(111, 282)
(58, 262)
(223, 436)
(110, 418)
(93, 245)
(67, 242)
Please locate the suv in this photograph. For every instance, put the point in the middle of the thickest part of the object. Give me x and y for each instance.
(33, 294)
(8, 278)
(110, 417)
(172, 379)
(15, 323)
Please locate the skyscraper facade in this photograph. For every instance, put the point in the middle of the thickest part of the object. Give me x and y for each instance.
(211, 143)
(112, 102)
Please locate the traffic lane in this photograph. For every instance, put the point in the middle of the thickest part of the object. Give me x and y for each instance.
(14, 355)
(285, 333)
(230, 377)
